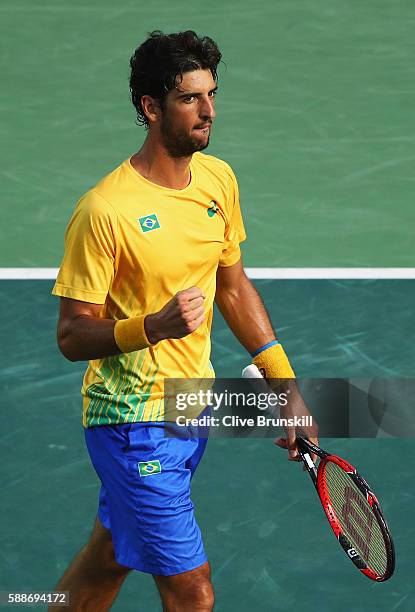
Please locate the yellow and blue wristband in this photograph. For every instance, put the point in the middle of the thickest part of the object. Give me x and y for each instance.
(130, 335)
(272, 361)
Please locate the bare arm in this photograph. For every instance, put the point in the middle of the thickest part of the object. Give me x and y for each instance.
(83, 335)
(247, 317)
(242, 307)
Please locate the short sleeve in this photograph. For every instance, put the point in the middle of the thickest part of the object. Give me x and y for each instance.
(87, 269)
(235, 231)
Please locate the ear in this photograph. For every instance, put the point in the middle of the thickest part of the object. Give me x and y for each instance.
(151, 108)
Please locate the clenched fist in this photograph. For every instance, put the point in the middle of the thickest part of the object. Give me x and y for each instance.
(179, 317)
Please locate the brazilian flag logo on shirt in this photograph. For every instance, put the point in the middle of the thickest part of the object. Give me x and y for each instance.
(148, 223)
(148, 468)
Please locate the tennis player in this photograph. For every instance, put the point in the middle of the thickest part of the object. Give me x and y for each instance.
(147, 251)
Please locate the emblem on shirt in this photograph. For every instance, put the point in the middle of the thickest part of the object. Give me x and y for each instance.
(147, 468)
(213, 208)
(148, 223)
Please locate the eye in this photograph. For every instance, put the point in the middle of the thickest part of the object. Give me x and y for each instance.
(188, 99)
(212, 94)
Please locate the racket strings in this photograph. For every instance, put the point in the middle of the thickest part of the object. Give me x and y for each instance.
(358, 521)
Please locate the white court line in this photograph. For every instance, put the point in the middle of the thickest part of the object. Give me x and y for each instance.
(331, 273)
(256, 273)
(28, 273)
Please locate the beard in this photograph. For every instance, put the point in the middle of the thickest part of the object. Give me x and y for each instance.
(179, 143)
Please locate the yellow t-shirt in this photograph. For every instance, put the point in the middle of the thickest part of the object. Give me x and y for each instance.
(131, 245)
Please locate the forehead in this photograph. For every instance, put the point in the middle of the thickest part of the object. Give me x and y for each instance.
(195, 81)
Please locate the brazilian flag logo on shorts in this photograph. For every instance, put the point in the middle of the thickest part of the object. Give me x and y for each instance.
(148, 468)
(148, 223)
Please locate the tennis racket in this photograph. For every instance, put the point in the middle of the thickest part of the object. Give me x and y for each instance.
(351, 508)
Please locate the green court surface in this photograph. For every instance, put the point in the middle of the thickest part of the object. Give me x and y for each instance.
(315, 114)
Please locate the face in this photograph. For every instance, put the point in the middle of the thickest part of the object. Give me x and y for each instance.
(187, 114)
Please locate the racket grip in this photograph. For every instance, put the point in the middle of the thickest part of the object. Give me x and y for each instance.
(308, 462)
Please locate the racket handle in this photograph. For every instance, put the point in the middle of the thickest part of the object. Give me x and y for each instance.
(308, 462)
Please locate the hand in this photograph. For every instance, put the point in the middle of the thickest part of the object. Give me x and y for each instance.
(179, 317)
(296, 408)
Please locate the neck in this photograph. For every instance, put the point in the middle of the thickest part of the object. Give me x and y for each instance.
(154, 163)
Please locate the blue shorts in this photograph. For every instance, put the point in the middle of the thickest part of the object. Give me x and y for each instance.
(145, 494)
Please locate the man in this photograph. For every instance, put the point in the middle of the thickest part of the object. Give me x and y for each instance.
(147, 251)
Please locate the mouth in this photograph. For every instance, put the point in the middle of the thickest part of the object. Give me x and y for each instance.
(205, 127)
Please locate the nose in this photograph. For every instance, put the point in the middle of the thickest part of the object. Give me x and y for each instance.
(207, 109)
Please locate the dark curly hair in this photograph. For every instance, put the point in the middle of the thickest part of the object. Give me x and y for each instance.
(162, 58)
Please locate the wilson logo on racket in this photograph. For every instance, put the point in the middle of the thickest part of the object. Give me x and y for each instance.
(358, 519)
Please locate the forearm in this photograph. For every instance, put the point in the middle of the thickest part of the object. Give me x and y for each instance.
(84, 335)
(245, 314)
(87, 337)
